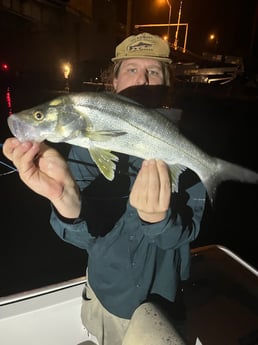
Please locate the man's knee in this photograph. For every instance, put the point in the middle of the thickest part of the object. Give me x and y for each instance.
(150, 326)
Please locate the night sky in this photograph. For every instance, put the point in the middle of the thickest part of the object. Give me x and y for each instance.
(233, 21)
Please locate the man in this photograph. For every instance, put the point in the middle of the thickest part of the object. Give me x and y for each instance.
(135, 232)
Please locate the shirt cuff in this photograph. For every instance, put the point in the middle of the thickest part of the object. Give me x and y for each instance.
(66, 220)
(154, 229)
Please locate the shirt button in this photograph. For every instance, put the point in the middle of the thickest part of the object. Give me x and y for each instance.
(138, 285)
(133, 264)
(131, 237)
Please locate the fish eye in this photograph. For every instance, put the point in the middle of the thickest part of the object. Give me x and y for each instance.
(38, 115)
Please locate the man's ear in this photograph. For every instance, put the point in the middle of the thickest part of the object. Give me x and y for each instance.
(115, 83)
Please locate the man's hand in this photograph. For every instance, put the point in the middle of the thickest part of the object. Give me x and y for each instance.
(45, 172)
(151, 191)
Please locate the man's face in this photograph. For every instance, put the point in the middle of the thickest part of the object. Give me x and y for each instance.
(133, 72)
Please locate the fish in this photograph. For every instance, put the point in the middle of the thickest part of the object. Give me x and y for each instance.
(106, 123)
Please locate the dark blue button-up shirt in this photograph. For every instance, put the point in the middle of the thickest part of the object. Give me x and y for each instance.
(128, 259)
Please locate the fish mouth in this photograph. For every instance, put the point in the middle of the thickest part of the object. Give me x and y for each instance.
(22, 130)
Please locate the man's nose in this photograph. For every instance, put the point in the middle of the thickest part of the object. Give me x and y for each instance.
(143, 78)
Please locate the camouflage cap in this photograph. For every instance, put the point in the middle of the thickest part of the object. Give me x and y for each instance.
(144, 45)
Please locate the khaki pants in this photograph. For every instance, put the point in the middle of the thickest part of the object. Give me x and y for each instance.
(148, 325)
(106, 327)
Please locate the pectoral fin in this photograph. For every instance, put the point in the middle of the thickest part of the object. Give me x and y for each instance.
(175, 171)
(104, 160)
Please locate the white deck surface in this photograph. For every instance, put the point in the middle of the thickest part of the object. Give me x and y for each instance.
(49, 319)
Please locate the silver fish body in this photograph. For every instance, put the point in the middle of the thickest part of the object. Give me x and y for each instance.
(105, 122)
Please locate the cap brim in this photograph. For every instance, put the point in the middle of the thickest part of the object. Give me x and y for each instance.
(162, 59)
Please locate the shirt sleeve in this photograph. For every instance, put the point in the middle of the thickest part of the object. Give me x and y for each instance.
(75, 231)
(182, 223)
(103, 202)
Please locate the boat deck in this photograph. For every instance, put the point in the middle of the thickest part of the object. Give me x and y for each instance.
(221, 306)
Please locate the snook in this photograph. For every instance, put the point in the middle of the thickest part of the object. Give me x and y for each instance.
(103, 122)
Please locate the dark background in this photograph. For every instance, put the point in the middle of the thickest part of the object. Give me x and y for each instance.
(220, 119)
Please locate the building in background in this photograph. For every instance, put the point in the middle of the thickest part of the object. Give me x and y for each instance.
(37, 38)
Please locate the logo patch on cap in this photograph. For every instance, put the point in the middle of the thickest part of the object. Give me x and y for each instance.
(140, 46)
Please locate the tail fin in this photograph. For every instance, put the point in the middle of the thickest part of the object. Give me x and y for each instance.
(226, 171)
